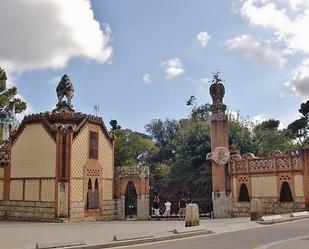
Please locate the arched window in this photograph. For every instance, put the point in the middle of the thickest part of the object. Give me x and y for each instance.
(285, 193)
(89, 194)
(96, 194)
(243, 193)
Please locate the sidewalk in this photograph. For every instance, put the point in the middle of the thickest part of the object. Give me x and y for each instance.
(24, 235)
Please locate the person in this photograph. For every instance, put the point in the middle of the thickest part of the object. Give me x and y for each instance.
(156, 207)
(167, 212)
(182, 208)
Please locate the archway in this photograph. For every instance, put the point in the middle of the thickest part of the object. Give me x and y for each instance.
(285, 193)
(243, 193)
(130, 201)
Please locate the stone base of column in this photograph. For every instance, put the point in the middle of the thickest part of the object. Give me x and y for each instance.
(120, 209)
(222, 205)
(143, 208)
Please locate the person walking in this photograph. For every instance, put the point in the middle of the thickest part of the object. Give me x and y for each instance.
(167, 212)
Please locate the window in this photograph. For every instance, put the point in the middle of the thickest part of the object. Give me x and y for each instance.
(93, 145)
(93, 195)
(64, 156)
(96, 194)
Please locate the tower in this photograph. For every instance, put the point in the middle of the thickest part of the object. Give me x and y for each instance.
(222, 202)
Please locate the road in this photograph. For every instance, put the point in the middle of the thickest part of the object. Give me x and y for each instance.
(257, 238)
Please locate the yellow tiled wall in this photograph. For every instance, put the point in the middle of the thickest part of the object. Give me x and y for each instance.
(107, 190)
(106, 156)
(264, 186)
(16, 190)
(80, 152)
(32, 190)
(77, 192)
(299, 188)
(48, 190)
(34, 153)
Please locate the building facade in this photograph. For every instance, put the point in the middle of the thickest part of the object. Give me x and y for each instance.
(60, 165)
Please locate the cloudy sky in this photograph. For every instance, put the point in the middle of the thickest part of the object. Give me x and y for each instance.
(142, 59)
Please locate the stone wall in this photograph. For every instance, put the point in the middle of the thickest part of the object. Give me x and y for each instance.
(27, 210)
(109, 210)
(264, 178)
(269, 206)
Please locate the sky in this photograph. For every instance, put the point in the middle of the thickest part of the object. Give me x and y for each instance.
(141, 60)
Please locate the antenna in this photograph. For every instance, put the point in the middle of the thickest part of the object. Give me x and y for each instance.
(96, 109)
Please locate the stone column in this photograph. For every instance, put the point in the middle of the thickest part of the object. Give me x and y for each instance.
(143, 207)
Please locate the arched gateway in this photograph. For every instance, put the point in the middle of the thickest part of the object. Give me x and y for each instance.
(132, 192)
(130, 201)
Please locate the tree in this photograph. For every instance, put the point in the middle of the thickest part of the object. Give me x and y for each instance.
(131, 148)
(8, 94)
(267, 137)
(114, 124)
(299, 127)
(162, 131)
(240, 135)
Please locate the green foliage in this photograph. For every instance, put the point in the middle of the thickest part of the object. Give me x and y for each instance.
(200, 185)
(131, 148)
(304, 109)
(7, 94)
(260, 139)
(114, 124)
(268, 138)
(241, 135)
(271, 124)
(162, 131)
(299, 128)
(182, 144)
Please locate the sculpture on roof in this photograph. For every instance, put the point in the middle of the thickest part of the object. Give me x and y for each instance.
(65, 88)
(217, 92)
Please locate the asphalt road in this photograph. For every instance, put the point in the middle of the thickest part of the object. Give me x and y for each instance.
(292, 235)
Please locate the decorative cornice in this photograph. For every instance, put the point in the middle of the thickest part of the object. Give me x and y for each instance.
(52, 120)
(132, 172)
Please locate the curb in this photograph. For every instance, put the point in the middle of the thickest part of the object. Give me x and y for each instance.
(140, 241)
(281, 220)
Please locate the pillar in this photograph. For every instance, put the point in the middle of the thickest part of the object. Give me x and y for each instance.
(221, 197)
